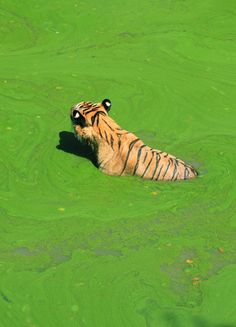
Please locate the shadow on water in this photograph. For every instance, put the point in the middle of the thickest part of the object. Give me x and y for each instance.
(69, 143)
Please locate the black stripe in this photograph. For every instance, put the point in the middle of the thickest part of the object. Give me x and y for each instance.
(100, 133)
(186, 175)
(88, 108)
(145, 156)
(87, 112)
(159, 173)
(176, 176)
(193, 170)
(112, 141)
(147, 165)
(157, 163)
(127, 156)
(100, 163)
(119, 133)
(106, 137)
(166, 169)
(97, 122)
(175, 169)
(138, 157)
(94, 116)
(119, 143)
(108, 125)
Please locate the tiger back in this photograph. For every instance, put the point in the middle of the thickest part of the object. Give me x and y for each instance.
(119, 152)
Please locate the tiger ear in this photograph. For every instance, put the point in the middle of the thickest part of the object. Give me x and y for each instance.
(106, 104)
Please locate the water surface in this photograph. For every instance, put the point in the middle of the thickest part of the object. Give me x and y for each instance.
(79, 248)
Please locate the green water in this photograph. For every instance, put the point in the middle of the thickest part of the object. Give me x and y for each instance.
(77, 247)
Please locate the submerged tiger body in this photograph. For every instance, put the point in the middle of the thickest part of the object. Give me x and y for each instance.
(119, 152)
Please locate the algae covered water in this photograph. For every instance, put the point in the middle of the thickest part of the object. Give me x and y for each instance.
(80, 248)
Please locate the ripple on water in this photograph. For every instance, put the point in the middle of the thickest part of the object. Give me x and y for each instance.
(17, 28)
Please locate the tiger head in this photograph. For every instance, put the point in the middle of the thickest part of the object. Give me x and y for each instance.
(88, 118)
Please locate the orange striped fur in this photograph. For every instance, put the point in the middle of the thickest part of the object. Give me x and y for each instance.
(119, 152)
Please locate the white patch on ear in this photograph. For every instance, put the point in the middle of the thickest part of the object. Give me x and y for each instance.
(108, 104)
(76, 115)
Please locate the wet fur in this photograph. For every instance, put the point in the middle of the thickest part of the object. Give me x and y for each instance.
(119, 152)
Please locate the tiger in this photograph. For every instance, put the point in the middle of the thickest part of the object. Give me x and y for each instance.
(120, 152)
